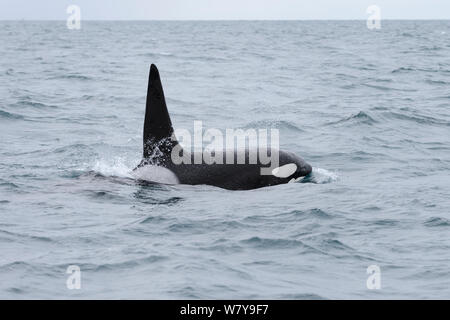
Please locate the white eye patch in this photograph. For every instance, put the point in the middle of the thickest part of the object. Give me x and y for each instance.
(284, 171)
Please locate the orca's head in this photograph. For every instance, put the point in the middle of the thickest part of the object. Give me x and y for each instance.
(290, 168)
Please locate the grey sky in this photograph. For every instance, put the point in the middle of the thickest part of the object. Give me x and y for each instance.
(223, 9)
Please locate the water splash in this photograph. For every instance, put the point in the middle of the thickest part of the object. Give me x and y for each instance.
(320, 176)
(115, 167)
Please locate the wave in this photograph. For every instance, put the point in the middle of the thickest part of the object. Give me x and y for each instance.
(411, 69)
(437, 222)
(334, 244)
(360, 118)
(72, 77)
(33, 104)
(384, 88)
(125, 264)
(437, 82)
(422, 119)
(312, 213)
(56, 268)
(407, 35)
(403, 69)
(153, 220)
(266, 243)
(9, 185)
(13, 236)
(147, 196)
(277, 124)
(302, 296)
(156, 54)
(431, 48)
(9, 115)
(72, 148)
(385, 222)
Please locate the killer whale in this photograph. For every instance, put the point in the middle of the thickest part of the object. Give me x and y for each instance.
(159, 142)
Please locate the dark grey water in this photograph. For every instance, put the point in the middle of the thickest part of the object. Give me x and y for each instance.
(368, 109)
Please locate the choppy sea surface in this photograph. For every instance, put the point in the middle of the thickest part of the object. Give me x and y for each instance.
(368, 109)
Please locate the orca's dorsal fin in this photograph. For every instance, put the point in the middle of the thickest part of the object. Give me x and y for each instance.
(158, 128)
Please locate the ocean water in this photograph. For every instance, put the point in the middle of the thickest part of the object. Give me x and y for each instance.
(368, 109)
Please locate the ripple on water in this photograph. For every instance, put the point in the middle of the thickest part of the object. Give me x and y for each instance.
(360, 118)
(277, 124)
(10, 116)
(385, 222)
(302, 296)
(14, 236)
(403, 70)
(153, 220)
(72, 76)
(33, 104)
(267, 243)
(306, 214)
(417, 118)
(337, 248)
(437, 222)
(123, 265)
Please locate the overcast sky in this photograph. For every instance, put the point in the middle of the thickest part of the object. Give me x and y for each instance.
(223, 9)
